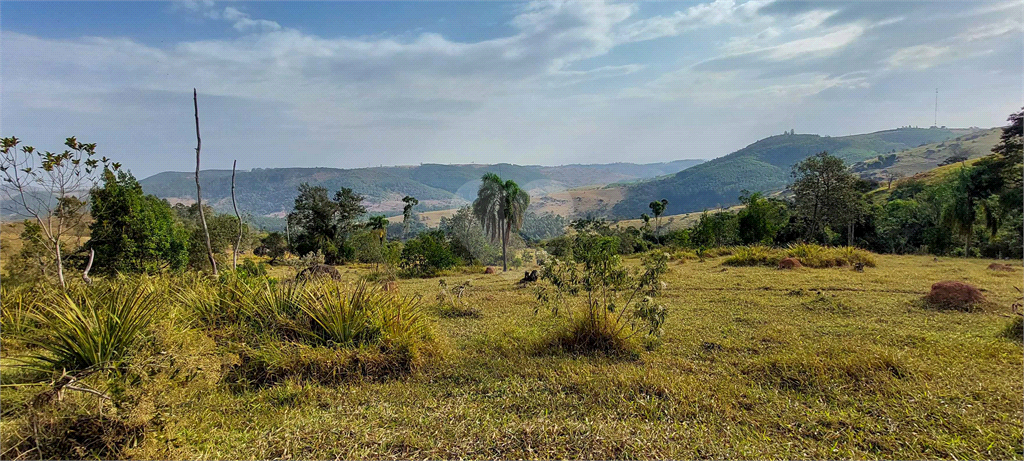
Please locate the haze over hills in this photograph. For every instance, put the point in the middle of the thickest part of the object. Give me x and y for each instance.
(689, 185)
(766, 165)
(272, 191)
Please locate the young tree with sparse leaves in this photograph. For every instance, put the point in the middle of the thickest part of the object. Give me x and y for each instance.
(40, 185)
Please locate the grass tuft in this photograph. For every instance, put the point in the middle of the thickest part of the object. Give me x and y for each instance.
(754, 255)
(90, 328)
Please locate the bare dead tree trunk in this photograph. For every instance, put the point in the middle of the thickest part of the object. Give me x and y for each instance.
(88, 267)
(199, 196)
(238, 241)
(60, 265)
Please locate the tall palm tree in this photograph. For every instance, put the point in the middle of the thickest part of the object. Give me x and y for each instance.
(959, 213)
(658, 207)
(379, 224)
(500, 206)
(410, 202)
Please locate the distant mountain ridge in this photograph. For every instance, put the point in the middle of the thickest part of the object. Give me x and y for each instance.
(766, 165)
(271, 191)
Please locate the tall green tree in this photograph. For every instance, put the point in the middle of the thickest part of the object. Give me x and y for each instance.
(657, 207)
(379, 225)
(410, 202)
(500, 206)
(314, 219)
(222, 230)
(825, 194)
(132, 231)
(959, 212)
(325, 224)
(761, 219)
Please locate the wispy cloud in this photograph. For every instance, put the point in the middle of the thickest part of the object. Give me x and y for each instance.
(558, 88)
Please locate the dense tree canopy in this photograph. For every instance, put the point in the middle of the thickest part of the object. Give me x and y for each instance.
(132, 231)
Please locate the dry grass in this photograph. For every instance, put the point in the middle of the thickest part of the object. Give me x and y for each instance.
(754, 363)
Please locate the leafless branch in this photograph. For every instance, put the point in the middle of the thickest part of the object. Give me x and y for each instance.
(199, 195)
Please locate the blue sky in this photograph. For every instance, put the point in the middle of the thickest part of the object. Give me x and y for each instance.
(354, 84)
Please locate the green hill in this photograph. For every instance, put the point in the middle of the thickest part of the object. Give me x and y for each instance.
(765, 166)
(272, 191)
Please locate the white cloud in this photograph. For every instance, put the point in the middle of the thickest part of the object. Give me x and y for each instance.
(820, 45)
(918, 57)
(537, 94)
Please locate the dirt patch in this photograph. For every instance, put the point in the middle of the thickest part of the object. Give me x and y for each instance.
(790, 263)
(953, 295)
(1001, 267)
(319, 271)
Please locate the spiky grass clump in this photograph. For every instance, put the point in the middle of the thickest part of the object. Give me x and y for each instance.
(326, 332)
(17, 307)
(754, 255)
(92, 328)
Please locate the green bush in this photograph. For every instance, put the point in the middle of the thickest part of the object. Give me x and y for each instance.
(617, 301)
(427, 254)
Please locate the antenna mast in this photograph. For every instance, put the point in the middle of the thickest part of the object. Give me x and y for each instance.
(936, 122)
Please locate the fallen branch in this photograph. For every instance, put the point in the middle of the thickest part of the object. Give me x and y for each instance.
(88, 266)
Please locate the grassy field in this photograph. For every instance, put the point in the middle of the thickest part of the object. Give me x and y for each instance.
(755, 363)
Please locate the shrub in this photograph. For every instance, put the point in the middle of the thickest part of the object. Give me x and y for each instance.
(427, 254)
(754, 255)
(451, 302)
(91, 328)
(618, 302)
(953, 295)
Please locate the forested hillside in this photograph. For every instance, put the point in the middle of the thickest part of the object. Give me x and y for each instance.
(765, 166)
(270, 191)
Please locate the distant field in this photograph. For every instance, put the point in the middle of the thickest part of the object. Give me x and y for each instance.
(573, 203)
(675, 221)
(755, 363)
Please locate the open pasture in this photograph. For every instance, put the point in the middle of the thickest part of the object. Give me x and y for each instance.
(755, 362)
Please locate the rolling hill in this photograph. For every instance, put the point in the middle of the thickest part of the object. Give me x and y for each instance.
(766, 165)
(272, 191)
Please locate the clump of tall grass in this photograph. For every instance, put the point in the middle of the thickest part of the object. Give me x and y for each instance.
(324, 330)
(92, 327)
(359, 315)
(17, 307)
(809, 254)
(818, 256)
(754, 255)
